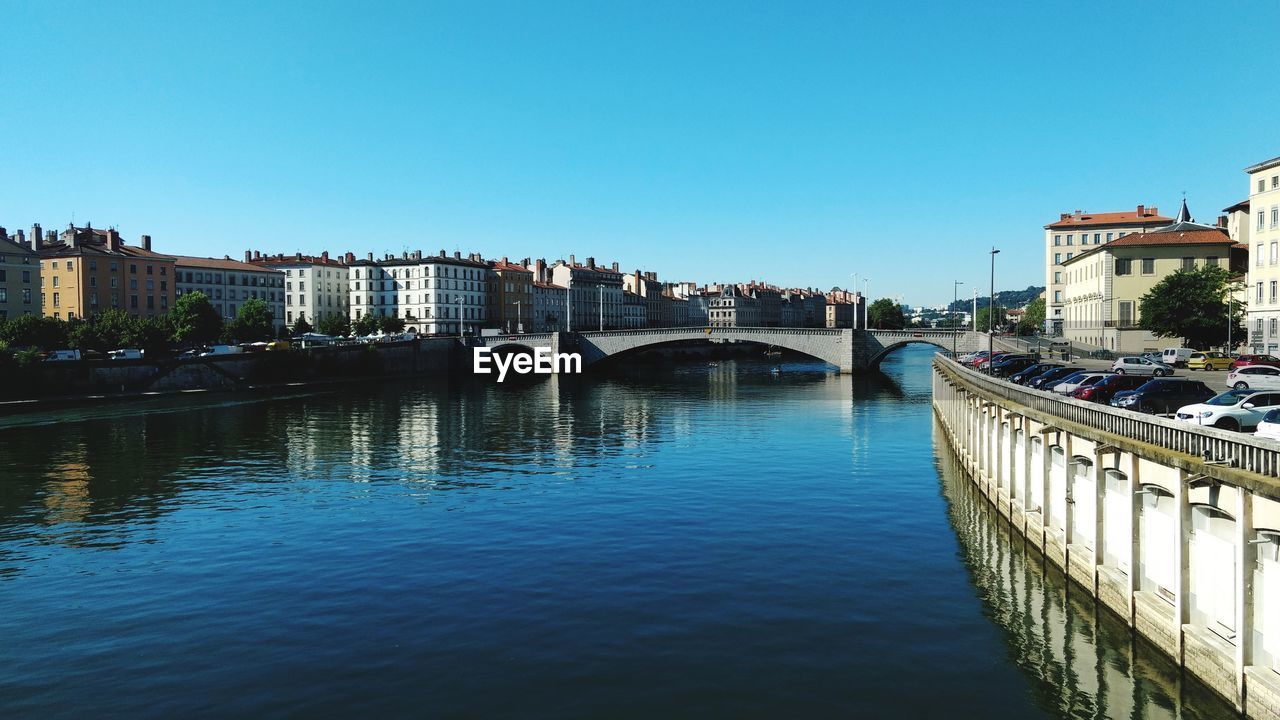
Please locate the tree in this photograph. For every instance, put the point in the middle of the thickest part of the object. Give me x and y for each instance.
(152, 335)
(254, 322)
(1033, 320)
(391, 325)
(335, 324)
(193, 319)
(984, 318)
(301, 326)
(885, 314)
(365, 325)
(34, 331)
(1191, 304)
(114, 328)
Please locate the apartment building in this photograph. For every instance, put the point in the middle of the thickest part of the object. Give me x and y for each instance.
(550, 307)
(1104, 286)
(733, 307)
(434, 294)
(315, 286)
(595, 294)
(510, 295)
(86, 270)
(646, 286)
(1264, 266)
(230, 283)
(1074, 233)
(19, 276)
(633, 310)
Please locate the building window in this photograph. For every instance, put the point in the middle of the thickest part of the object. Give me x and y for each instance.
(1057, 258)
(1124, 266)
(1071, 239)
(1275, 217)
(1057, 296)
(1273, 292)
(1126, 313)
(1261, 219)
(1057, 277)
(1258, 256)
(1148, 266)
(1057, 239)
(1070, 255)
(1109, 236)
(1097, 238)
(1211, 261)
(55, 300)
(1275, 252)
(1188, 263)
(1259, 288)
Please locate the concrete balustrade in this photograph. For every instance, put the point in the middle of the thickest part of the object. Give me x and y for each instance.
(1173, 527)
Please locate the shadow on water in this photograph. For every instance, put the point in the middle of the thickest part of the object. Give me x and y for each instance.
(1081, 659)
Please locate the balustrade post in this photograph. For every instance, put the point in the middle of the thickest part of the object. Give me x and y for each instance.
(1182, 562)
(1246, 560)
(1135, 539)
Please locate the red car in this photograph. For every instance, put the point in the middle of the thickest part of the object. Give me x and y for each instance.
(982, 361)
(1247, 360)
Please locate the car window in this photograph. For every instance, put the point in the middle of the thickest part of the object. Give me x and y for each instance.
(1271, 416)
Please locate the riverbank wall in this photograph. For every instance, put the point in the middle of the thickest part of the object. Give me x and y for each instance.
(1172, 527)
(67, 380)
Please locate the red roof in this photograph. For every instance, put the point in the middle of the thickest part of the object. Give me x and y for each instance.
(1147, 216)
(507, 266)
(219, 264)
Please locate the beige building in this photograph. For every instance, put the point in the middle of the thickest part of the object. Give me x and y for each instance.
(1264, 266)
(1079, 232)
(1103, 286)
(19, 277)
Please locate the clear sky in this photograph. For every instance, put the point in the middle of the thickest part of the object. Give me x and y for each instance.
(795, 143)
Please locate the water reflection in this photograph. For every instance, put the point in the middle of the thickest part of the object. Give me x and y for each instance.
(1082, 660)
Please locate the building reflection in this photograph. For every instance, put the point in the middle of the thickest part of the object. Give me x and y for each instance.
(1081, 661)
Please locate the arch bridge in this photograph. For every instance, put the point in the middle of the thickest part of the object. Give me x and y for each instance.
(849, 350)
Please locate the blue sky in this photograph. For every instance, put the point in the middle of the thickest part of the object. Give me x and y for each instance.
(796, 143)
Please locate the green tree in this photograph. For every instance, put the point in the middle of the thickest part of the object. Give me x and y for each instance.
(335, 324)
(34, 331)
(984, 318)
(301, 326)
(193, 319)
(1191, 304)
(152, 335)
(885, 314)
(114, 328)
(391, 325)
(1033, 321)
(365, 325)
(254, 322)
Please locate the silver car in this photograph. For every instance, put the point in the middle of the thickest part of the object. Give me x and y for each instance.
(1132, 365)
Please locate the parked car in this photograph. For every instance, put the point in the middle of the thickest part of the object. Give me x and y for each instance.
(1010, 364)
(1208, 361)
(1069, 383)
(1103, 390)
(1162, 395)
(1263, 377)
(1152, 356)
(1232, 410)
(1051, 377)
(983, 361)
(1022, 376)
(125, 354)
(1247, 360)
(221, 350)
(1131, 365)
(1269, 426)
(968, 358)
(62, 355)
(1175, 357)
(1102, 354)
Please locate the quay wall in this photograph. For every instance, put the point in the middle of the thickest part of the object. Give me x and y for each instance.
(1173, 528)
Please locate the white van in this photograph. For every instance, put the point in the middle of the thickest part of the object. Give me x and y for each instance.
(1176, 357)
(222, 350)
(62, 356)
(125, 354)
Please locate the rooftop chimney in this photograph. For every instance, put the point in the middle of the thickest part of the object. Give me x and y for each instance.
(572, 260)
(146, 242)
(248, 255)
(37, 234)
(257, 254)
(615, 266)
(325, 256)
(591, 263)
(417, 254)
(297, 256)
(1222, 221)
(504, 259)
(370, 257)
(457, 254)
(1142, 210)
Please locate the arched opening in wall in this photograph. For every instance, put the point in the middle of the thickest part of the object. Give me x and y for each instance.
(1266, 600)
(1158, 529)
(1019, 462)
(1035, 499)
(1084, 499)
(1006, 452)
(1057, 491)
(1117, 520)
(1213, 570)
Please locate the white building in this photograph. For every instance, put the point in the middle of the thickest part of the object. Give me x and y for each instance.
(1264, 256)
(595, 294)
(229, 283)
(434, 294)
(315, 287)
(549, 304)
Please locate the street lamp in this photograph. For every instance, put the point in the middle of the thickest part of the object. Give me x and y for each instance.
(991, 309)
(461, 333)
(955, 297)
(518, 317)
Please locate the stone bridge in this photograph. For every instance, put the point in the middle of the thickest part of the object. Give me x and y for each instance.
(849, 350)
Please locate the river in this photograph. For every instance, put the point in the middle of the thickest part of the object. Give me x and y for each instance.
(701, 540)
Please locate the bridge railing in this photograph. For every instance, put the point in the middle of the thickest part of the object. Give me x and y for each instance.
(694, 329)
(1238, 450)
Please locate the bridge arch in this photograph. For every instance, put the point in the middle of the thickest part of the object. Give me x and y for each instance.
(874, 362)
(800, 348)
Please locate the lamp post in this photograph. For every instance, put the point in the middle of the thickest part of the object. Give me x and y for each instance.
(518, 329)
(955, 289)
(991, 310)
(602, 307)
(974, 317)
(461, 333)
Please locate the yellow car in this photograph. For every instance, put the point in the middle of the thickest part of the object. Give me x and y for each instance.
(1208, 361)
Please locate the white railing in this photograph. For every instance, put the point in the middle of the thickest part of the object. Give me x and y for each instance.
(1237, 450)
